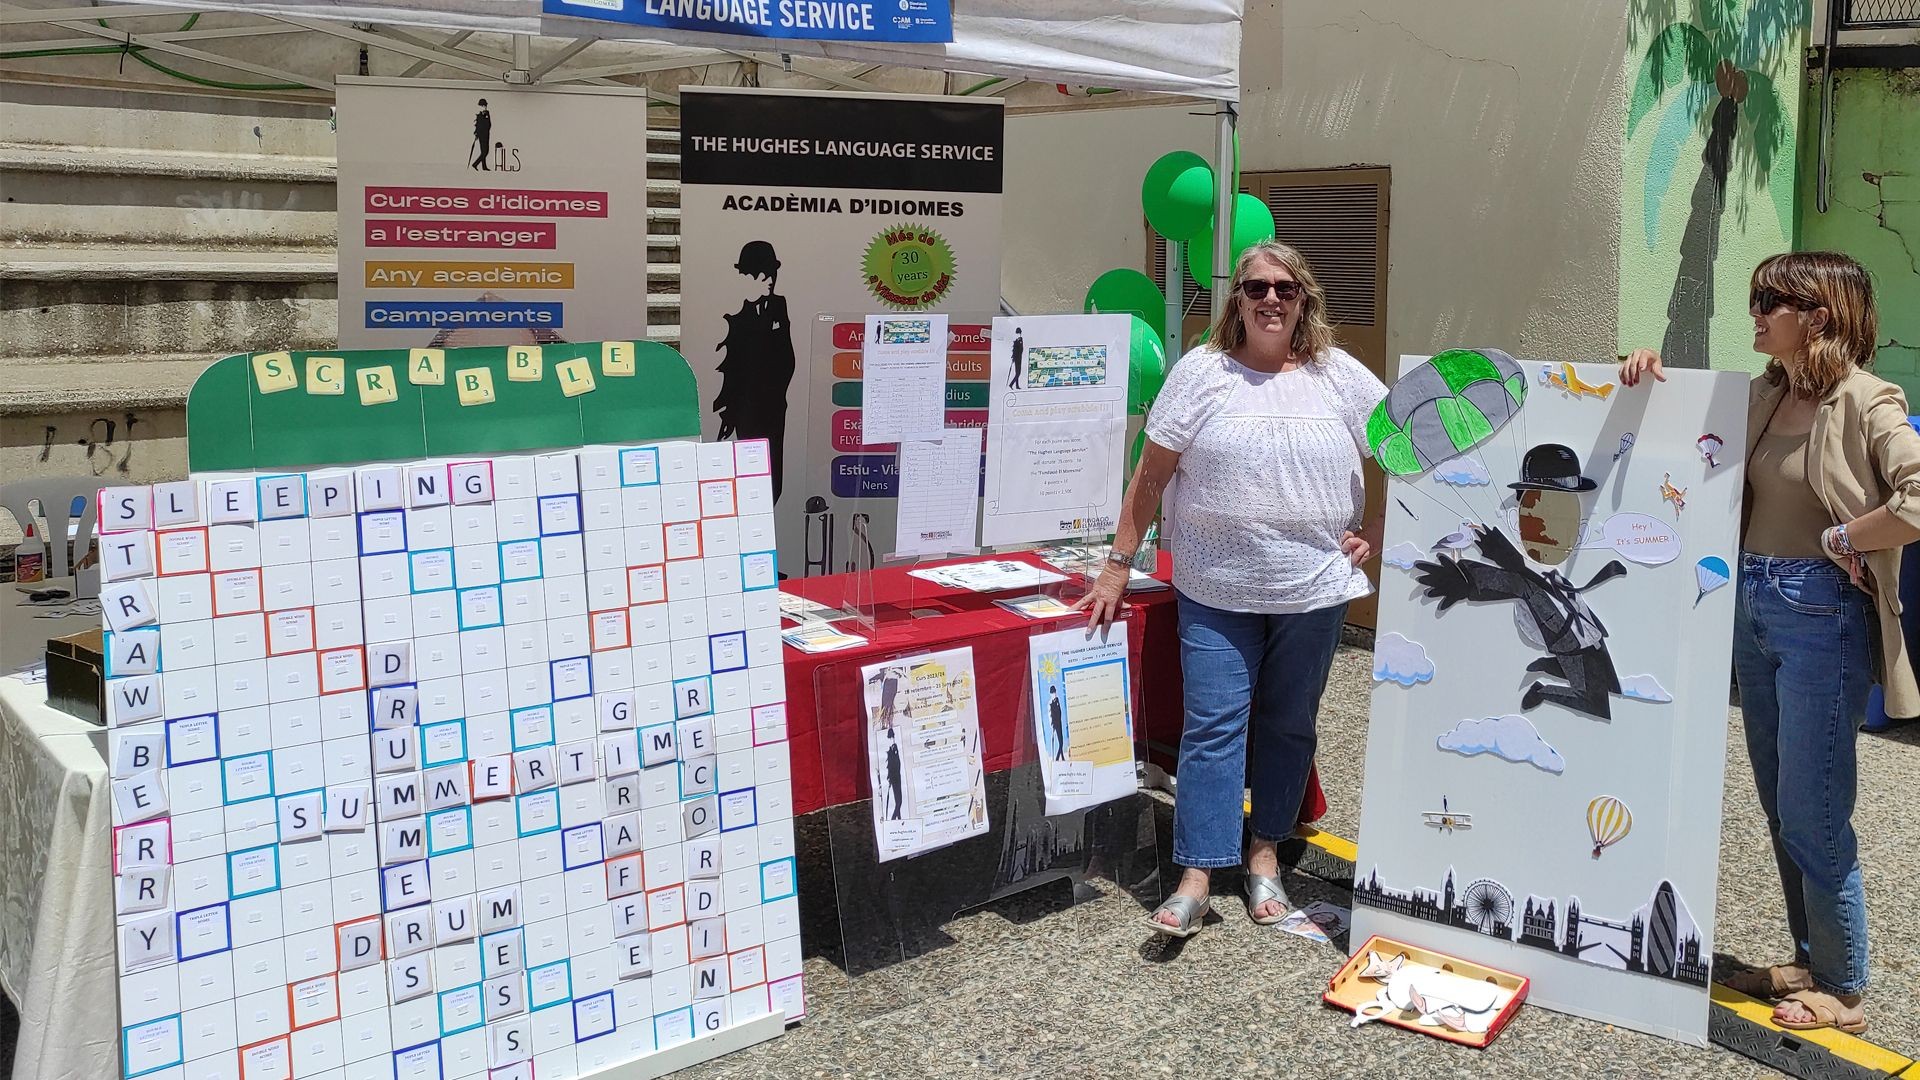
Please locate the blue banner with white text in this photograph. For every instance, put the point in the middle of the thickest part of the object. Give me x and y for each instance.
(818, 20)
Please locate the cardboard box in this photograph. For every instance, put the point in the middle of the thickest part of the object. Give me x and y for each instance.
(76, 675)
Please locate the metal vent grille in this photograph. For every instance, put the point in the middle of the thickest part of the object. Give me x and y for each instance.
(1337, 227)
(1878, 14)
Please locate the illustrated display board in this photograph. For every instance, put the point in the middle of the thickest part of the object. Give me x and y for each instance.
(468, 766)
(796, 204)
(1058, 415)
(1543, 775)
(923, 752)
(485, 214)
(1082, 716)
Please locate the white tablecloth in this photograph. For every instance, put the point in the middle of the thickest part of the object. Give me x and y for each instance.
(56, 890)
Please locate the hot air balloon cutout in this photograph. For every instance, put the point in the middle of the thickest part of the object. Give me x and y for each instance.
(1626, 444)
(1608, 822)
(1711, 573)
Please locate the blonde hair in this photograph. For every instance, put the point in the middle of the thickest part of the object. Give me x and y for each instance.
(1312, 335)
(1824, 279)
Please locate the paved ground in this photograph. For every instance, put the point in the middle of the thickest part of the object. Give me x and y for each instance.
(1033, 987)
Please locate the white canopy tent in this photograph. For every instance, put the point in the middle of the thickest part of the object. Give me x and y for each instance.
(1188, 48)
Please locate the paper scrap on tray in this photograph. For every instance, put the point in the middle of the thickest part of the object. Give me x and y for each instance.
(939, 492)
(1037, 606)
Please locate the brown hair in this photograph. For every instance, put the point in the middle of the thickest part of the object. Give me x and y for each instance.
(1824, 279)
(1312, 336)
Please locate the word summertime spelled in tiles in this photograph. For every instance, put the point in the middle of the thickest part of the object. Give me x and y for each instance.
(471, 768)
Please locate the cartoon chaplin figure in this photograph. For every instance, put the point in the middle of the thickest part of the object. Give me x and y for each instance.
(1553, 614)
(759, 363)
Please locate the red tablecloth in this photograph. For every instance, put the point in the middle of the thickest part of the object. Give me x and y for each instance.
(999, 641)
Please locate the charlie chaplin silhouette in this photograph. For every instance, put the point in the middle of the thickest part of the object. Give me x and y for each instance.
(1560, 620)
(482, 144)
(752, 403)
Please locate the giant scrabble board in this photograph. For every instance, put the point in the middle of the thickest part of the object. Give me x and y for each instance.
(454, 768)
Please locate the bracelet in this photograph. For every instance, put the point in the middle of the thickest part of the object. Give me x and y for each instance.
(1838, 542)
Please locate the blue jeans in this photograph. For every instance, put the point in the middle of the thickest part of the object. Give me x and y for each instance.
(1236, 668)
(1802, 652)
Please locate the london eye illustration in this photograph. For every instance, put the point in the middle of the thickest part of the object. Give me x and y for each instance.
(1489, 906)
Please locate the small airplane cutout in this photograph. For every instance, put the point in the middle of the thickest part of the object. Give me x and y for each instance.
(1674, 495)
(1445, 819)
(1571, 384)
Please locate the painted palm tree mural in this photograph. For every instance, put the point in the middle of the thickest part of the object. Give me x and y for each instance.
(1714, 72)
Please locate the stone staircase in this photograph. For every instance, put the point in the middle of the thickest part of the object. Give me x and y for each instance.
(144, 234)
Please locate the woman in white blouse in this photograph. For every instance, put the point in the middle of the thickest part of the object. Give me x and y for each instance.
(1264, 428)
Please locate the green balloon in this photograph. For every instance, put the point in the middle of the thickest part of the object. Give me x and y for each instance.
(1178, 204)
(1252, 223)
(1128, 292)
(1147, 367)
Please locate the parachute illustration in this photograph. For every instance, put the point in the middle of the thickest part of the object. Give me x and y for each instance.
(1711, 573)
(1444, 408)
(1608, 821)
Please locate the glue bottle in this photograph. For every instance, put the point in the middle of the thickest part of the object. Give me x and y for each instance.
(30, 559)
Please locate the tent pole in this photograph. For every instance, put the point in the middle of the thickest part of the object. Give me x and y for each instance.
(1224, 118)
(1175, 275)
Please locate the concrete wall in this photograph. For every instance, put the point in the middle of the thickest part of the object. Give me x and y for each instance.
(1709, 177)
(1502, 125)
(1873, 213)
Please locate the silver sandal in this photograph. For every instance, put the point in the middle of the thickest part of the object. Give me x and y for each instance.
(1189, 910)
(1261, 889)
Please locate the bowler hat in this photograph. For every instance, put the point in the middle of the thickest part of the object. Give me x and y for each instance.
(1552, 467)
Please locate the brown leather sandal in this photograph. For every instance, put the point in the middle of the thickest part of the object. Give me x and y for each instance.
(1770, 983)
(1828, 1012)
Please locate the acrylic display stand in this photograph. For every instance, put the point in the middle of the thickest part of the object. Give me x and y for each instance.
(893, 914)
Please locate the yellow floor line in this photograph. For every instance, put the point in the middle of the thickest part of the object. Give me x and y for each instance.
(1851, 1047)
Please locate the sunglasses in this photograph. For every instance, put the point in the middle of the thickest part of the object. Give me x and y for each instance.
(1255, 289)
(1771, 300)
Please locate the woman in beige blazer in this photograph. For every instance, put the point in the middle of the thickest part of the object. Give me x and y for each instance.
(1833, 494)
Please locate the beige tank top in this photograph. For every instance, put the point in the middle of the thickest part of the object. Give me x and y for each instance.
(1787, 517)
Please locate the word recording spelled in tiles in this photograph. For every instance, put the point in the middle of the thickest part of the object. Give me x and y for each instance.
(441, 769)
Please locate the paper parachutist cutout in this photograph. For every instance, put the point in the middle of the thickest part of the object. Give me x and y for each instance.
(1675, 495)
(1709, 445)
(1711, 573)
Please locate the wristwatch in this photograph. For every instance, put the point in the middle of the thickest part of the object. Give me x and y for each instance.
(1118, 559)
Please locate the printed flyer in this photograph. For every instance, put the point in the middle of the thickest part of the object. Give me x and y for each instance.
(483, 220)
(1082, 716)
(1058, 415)
(923, 752)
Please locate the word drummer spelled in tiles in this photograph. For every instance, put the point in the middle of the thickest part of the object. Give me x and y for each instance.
(468, 768)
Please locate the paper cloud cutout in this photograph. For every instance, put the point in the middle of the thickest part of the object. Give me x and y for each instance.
(1462, 472)
(1398, 660)
(1512, 738)
(1644, 688)
(1402, 555)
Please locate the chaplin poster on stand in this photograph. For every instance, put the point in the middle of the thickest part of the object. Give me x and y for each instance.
(1548, 732)
(801, 204)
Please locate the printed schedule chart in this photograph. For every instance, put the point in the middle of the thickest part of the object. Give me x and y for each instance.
(453, 768)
